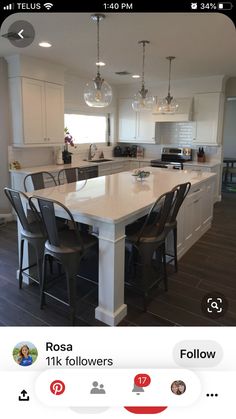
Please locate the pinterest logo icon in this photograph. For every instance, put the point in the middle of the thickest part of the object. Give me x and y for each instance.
(57, 387)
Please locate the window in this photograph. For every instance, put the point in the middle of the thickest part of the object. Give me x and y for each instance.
(86, 128)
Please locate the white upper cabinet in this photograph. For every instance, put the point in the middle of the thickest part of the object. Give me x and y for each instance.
(137, 127)
(32, 111)
(145, 127)
(54, 105)
(127, 121)
(37, 111)
(208, 114)
(36, 90)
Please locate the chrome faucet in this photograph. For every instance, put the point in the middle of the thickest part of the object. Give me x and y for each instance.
(92, 151)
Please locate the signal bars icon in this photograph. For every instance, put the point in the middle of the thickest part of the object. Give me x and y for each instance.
(9, 6)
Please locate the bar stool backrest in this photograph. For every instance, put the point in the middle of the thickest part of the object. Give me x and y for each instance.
(47, 211)
(16, 197)
(71, 174)
(182, 191)
(155, 221)
(38, 180)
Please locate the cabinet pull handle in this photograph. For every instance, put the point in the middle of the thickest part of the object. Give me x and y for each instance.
(195, 201)
(197, 190)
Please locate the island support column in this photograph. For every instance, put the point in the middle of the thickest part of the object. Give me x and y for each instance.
(111, 308)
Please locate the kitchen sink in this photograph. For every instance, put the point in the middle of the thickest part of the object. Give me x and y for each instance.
(99, 160)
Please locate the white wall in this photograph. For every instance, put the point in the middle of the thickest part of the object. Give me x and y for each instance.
(179, 88)
(4, 136)
(229, 134)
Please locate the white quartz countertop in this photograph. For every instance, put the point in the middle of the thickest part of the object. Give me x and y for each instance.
(53, 167)
(116, 197)
(206, 164)
(83, 163)
(79, 163)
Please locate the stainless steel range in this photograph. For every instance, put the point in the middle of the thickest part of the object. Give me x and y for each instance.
(173, 158)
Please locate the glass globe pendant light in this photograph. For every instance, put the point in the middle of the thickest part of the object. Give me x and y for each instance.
(98, 92)
(168, 105)
(142, 101)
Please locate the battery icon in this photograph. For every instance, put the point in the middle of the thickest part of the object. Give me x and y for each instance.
(225, 6)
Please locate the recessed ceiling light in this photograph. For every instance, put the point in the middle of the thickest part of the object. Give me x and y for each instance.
(136, 76)
(45, 44)
(101, 63)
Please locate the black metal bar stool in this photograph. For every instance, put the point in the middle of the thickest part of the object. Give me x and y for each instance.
(32, 232)
(67, 247)
(145, 248)
(171, 224)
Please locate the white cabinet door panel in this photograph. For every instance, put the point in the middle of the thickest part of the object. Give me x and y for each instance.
(37, 109)
(127, 121)
(33, 111)
(54, 98)
(208, 110)
(136, 127)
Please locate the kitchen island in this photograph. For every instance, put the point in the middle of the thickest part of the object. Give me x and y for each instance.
(110, 203)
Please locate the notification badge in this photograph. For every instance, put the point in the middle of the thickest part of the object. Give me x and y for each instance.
(142, 380)
(57, 387)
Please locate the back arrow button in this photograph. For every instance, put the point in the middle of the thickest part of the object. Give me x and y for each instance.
(24, 33)
(20, 34)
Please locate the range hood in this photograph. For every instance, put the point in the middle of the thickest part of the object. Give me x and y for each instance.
(184, 113)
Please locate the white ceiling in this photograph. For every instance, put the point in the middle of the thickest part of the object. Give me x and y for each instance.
(204, 44)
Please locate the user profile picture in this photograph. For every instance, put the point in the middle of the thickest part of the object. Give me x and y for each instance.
(25, 353)
(178, 387)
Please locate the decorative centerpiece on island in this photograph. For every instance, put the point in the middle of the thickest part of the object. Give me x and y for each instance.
(69, 140)
(140, 174)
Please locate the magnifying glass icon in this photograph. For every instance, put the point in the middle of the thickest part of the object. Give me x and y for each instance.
(214, 305)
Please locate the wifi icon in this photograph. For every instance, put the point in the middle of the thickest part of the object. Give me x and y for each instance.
(48, 5)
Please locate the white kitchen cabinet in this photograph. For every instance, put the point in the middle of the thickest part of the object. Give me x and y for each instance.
(37, 112)
(145, 127)
(193, 216)
(144, 163)
(137, 164)
(137, 127)
(134, 165)
(113, 167)
(118, 167)
(208, 114)
(127, 121)
(209, 168)
(207, 201)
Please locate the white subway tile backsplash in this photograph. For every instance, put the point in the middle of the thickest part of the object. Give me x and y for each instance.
(180, 133)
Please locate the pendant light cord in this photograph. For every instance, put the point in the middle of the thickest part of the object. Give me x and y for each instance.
(98, 45)
(169, 97)
(143, 42)
(143, 91)
(169, 75)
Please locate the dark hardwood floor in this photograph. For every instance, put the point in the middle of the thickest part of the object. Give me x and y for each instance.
(210, 265)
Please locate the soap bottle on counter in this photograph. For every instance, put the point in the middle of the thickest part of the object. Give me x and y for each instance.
(59, 159)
